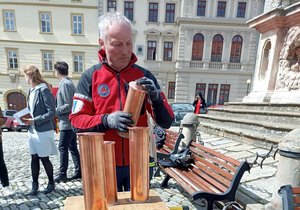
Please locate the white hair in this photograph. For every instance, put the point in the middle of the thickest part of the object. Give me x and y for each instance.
(107, 20)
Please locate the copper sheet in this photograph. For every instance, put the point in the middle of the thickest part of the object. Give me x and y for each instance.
(92, 166)
(134, 103)
(110, 173)
(139, 163)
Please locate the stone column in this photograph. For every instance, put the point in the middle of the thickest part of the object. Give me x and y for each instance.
(288, 170)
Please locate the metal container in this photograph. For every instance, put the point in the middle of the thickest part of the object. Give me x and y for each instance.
(139, 163)
(134, 103)
(93, 174)
(110, 173)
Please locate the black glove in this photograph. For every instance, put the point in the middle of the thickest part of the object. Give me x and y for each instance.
(150, 87)
(118, 120)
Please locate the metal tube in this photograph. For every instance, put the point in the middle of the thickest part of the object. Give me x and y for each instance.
(139, 163)
(133, 104)
(110, 173)
(93, 174)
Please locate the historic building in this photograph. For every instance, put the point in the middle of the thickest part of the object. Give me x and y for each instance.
(189, 45)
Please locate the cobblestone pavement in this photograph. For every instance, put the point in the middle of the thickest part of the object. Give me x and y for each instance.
(17, 160)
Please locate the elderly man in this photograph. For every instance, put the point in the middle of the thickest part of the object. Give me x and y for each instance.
(101, 92)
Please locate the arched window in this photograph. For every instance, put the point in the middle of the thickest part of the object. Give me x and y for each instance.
(217, 48)
(198, 42)
(236, 49)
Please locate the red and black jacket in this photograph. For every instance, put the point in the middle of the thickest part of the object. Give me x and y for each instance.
(101, 91)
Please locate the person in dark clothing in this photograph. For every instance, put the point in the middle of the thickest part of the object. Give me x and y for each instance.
(67, 139)
(199, 104)
(3, 170)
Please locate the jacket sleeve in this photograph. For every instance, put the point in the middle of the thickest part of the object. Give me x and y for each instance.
(162, 111)
(82, 116)
(66, 98)
(49, 105)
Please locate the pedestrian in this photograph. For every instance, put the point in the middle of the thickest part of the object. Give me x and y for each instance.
(67, 138)
(101, 92)
(3, 170)
(199, 104)
(41, 105)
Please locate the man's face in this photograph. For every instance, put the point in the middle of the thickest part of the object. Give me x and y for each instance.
(118, 46)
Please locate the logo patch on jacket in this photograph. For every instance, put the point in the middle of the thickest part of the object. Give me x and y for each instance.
(77, 106)
(103, 90)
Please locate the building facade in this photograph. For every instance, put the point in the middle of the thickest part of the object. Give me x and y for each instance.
(189, 45)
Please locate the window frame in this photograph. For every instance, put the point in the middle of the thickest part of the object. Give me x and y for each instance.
(236, 49)
(74, 64)
(171, 89)
(7, 50)
(221, 8)
(197, 46)
(43, 52)
(151, 50)
(201, 9)
(168, 50)
(82, 24)
(224, 93)
(217, 48)
(170, 13)
(46, 21)
(154, 12)
(241, 10)
(212, 93)
(111, 4)
(5, 28)
(129, 10)
(200, 87)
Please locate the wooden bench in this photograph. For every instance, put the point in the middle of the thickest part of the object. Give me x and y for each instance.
(290, 197)
(213, 176)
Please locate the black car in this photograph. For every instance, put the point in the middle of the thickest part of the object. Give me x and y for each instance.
(180, 109)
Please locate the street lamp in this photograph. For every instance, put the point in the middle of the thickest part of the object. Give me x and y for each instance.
(248, 85)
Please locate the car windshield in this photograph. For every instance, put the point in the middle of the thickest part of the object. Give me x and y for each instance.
(183, 107)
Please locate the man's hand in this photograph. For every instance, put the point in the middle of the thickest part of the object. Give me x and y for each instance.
(119, 120)
(150, 87)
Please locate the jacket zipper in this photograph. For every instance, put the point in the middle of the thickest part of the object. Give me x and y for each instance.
(119, 94)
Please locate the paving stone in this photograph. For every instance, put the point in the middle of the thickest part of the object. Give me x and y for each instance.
(240, 155)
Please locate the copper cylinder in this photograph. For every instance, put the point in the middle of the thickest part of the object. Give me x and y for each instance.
(92, 167)
(133, 104)
(110, 173)
(139, 163)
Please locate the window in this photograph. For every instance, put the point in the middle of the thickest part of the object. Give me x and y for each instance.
(170, 13)
(9, 20)
(77, 24)
(198, 43)
(221, 9)
(77, 1)
(111, 6)
(78, 59)
(201, 6)
(171, 90)
(241, 11)
(224, 93)
(212, 93)
(45, 21)
(168, 49)
(236, 49)
(128, 10)
(200, 87)
(153, 12)
(217, 48)
(12, 58)
(151, 50)
(47, 57)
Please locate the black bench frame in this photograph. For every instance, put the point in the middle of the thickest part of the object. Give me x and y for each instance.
(206, 182)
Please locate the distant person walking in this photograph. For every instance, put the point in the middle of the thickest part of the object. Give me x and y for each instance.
(3, 170)
(67, 139)
(199, 104)
(41, 127)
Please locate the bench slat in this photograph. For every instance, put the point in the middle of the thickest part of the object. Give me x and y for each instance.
(206, 175)
(216, 169)
(213, 159)
(217, 154)
(297, 199)
(296, 190)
